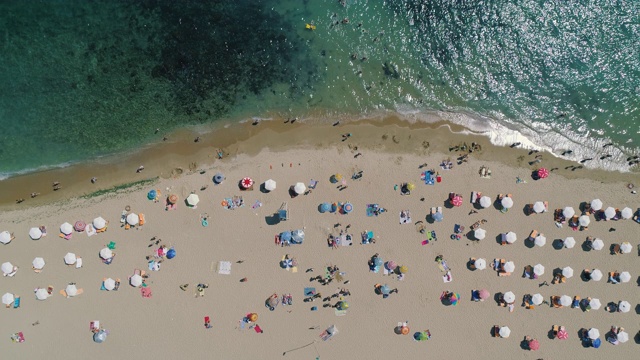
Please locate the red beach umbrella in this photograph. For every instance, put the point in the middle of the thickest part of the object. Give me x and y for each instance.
(80, 225)
(563, 335)
(534, 345)
(456, 201)
(246, 182)
(543, 173)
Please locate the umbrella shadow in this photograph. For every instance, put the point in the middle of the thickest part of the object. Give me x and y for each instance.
(638, 309)
(499, 239)
(551, 335)
(637, 338)
(471, 268)
(477, 206)
(529, 242)
(534, 175)
(524, 344)
(585, 276)
(447, 204)
(638, 281)
(497, 297)
(263, 189)
(557, 244)
(471, 235)
(497, 204)
(586, 246)
(613, 249)
(272, 219)
(292, 192)
(429, 219)
(526, 210)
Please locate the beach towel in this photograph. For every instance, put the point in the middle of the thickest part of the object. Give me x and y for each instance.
(375, 269)
(146, 292)
(258, 329)
(428, 178)
(346, 240)
(224, 267)
(256, 205)
(406, 219)
(340, 312)
(309, 291)
(90, 230)
(447, 277)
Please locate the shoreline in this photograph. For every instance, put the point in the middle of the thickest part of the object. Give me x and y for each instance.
(181, 155)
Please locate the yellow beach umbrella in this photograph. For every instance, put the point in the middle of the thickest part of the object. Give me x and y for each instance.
(403, 269)
(411, 186)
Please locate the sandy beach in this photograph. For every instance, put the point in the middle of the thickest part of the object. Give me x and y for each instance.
(169, 324)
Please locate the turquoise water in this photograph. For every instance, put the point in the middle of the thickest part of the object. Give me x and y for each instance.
(82, 79)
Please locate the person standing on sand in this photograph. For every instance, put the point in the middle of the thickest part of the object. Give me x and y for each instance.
(140, 168)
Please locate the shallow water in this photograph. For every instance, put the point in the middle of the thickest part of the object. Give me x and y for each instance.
(81, 79)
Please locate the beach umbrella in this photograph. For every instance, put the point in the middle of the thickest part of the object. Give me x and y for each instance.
(479, 233)
(538, 269)
(71, 290)
(509, 266)
(403, 269)
(543, 173)
(193, 199)
(391, 265)
(38, 263)
(347, 208)
(324, 207)
(569, 242)
(109, 284)
(135, 280)
(509, 297)
(297, 235)
(5, 237)
(35, 233)
(438, 216)
(565, 300)
(480, 264)
(70, 259)
(8, 299)
(623, 336)
(626, 213)
(567, 272)
(151, 195)
(42, 294)
(507, 202)
(596, 204)
(484, 294)
(171, 253)
(79, 225)
(454, 299)
(596, 343)
(626, 247)
(568, 212)
(624, 306)
(334, 207)
(173, 198)
(270, 185)
(133, 219)
(342, 305)
(100, 336)
(420, 336)
(511, 237)
(219, 178)
(7, 268)
(593, 333)
(285, 236)
(584, 220)
(99, 223)
(377, 261)
(625, 276)
(540, 240)
(246, 182)
(597, 244)
(563, 335)
(335, 178)
(299, 188)
(538, 207)
(596, 275)
(537, 299)
(106, 253)
(456, 201)
(504, 332)
(595, 304)
(610, 212)
(384, 289)
(411, 186)
(485, 201)
(66, 228)
(534, 345)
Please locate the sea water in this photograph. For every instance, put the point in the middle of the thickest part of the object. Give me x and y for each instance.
(82, 79)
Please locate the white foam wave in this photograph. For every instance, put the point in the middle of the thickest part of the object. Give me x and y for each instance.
(6, 175)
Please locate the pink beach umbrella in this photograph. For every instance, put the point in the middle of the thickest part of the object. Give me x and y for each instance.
(80, 226)
(484, 294)
(456, 201)
(391, 265)
(543, 173)
(563, 335)
(534, 345)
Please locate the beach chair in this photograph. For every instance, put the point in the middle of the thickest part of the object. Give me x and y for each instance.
(433, 211)
(496, 331)
(533, 235)
(503, 239)
(475, 196)
(283, 212)
(329, 333)
(102, 230)
(78, 262)
(66, 237)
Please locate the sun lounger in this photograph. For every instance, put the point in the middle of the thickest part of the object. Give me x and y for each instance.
(224, 267)
(16, 302)
(503, 239)
(66, 237)
(475, 196)
(141, 219)
(533, 234)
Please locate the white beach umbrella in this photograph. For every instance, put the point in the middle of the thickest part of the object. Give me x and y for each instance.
(270, 185)
(479, 233)
(7, 268)
(511, 237)
(509, 266)
(135, 280)
(480, 264)
(109, 284)
(565, 300)
(8, 299)
(568, 212)
(567, 272)
(626, 247)
(584, 220)
(42, 294)
(538, 207)
(593, 333)
(5, 237)
(70, 259)
(509, 297)
(106, 253)
(610, 212)
(569, 242)
(35, 233)
(193, 199)
(538, 269)
(38, 263)
(540, 240)
(624, 306)
(537, 299)
(596, 275)
(99, 223)
(595, 304)
(507, 202)
(597, 244)
(71, 290)
(596, 204)
(625, 276)
(299, 188)
(504, 332)
(66, 228)
(623, 336)
(626, 213)
(485, 201)
(133, 219)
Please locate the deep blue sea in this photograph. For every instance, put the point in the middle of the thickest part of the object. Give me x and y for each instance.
(81, 79)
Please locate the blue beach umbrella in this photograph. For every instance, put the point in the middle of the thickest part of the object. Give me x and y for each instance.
(152, 195)
(347, 208)
(334, 207)
(218, 178)
(377, 261)
(324, 207)
(437, 216)
(596, 343)
(384, 289)
(285, 236)
(100, 336)
(297, 236)
(171, 253)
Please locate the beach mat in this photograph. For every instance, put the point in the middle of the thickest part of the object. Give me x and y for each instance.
(309, 291)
